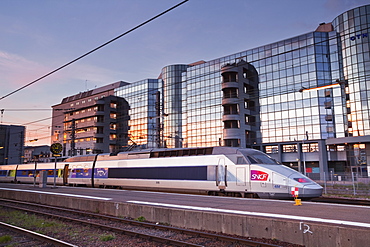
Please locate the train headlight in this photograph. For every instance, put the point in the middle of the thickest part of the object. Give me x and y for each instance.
(302, 180)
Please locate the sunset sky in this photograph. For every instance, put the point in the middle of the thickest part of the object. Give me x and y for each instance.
(38, 36)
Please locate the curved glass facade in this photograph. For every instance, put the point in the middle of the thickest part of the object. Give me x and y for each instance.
(308, 105)
(172, 105)
(353, 28)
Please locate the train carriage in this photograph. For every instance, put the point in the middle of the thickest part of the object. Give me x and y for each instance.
(212, 170)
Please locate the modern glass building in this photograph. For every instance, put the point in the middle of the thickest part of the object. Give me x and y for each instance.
(303, 100)
(145, 127)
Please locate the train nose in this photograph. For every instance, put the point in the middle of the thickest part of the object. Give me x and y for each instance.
(311, 190)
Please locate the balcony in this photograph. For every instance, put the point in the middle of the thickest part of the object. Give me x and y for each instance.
(230, 101)
(231, 117)
(230, 85)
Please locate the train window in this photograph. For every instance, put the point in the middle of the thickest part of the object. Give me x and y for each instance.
(261, 159)
(50, 172)
(24, 173)
(252, 160)
(240, 160)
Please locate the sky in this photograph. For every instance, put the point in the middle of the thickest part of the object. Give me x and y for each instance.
(39, 36)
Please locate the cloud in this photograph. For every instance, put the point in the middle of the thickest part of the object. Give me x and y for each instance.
(17, 71)
(337, 5)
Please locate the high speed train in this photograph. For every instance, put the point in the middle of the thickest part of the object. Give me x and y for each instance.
(226, 171)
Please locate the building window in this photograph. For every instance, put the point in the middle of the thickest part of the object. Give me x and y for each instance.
(230, 77)
(231, 124)
(230, 93)
(232, 142)
(310, 147)
(290, 148)
(272, 149)
(251, 120)
(231, 109)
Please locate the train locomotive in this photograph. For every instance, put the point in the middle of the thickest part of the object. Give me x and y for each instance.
(226, 171)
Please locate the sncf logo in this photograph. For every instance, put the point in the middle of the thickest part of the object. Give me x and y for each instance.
(259, 175)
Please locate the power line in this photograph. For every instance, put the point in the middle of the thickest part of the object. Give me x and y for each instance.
(26, 109)
(93, 50)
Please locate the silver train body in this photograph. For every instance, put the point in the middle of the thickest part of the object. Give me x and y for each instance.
(212, 170)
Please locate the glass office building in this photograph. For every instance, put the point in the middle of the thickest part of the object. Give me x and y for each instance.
(303, 100)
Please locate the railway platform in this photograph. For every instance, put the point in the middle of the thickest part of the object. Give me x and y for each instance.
(311, 224)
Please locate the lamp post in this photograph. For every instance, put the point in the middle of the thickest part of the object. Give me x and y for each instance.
(303, 154)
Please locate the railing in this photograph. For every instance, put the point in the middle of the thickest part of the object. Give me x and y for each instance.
(345, 184)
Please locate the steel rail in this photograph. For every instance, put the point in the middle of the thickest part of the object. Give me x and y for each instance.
(346, 201)
(38, 236)
(110, 228)
(151, 225)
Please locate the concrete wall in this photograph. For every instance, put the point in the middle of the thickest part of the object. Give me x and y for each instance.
(304, 233)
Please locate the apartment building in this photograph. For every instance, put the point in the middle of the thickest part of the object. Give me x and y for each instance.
(91, 122)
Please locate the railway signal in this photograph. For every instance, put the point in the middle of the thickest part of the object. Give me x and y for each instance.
(295, 192)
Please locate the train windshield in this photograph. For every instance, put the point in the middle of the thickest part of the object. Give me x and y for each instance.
(255, 157)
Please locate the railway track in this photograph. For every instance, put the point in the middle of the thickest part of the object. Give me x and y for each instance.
(158, 233)
(341, 201)
(34, 235)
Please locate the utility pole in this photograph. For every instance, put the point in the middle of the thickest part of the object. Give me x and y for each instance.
(303, 154)
(73, 137)
(158, 120)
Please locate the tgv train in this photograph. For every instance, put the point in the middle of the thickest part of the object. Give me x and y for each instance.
(212, 170)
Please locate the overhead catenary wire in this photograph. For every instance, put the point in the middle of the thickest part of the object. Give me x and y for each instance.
(93, 50)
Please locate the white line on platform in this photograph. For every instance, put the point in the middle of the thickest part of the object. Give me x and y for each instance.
(283, 216)
(245, 199)
(59, 194)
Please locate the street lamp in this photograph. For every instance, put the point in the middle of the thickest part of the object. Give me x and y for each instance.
(303, 154)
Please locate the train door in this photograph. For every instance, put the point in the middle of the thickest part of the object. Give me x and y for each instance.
(65, 174)
(241, 175)
(221, 174)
